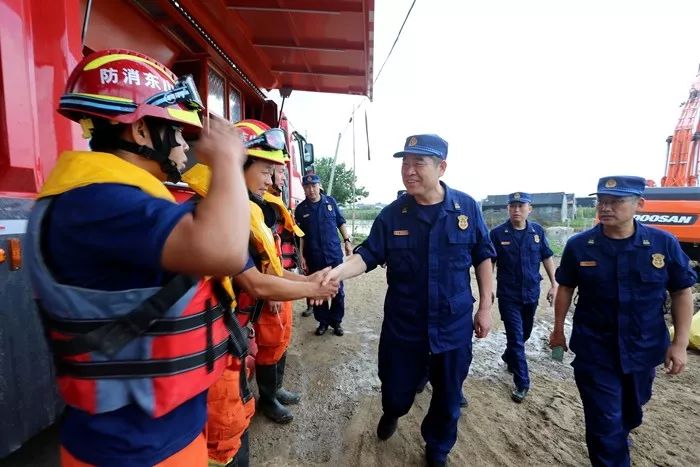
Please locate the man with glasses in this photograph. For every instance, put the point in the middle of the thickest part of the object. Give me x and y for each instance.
(521, 246)
(622, 270)
(320, 219)
(429, 238)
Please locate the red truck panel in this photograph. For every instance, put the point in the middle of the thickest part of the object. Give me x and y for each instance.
(39, 46)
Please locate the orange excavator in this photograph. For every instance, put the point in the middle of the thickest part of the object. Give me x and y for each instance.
(675, 205)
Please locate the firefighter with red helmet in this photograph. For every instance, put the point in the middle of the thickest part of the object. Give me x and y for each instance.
(273, 324)
(122, 273)
(230, 405)
(285, 227)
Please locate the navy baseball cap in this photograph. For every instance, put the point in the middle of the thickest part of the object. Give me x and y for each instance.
(310, 179)
(519, 197)
(621, 185)
(424, 145)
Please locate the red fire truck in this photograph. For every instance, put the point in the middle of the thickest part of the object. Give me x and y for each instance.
(235, 49)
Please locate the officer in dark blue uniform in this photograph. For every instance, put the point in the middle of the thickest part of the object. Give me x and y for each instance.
(622, 270)
(521, 246)
(428, 238)
(320, 219)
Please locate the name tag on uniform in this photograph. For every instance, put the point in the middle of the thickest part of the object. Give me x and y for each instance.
(588, 263)
(505, 243)
(400, 233)
(306, 215)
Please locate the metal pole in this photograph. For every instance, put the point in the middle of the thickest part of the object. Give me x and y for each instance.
(335, 158)
(86, 20)
(353, 174)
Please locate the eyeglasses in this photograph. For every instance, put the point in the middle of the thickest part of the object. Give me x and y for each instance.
(272, 140)
(184, 92)
(612, 202)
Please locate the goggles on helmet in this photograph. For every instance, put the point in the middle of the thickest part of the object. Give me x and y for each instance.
(185, 93)
(272, 140)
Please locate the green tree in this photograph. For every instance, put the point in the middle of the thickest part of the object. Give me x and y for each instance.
(343, 181)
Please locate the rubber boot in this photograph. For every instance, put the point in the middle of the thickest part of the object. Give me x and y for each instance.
(268, 403)
(285, 397)
(309, 309)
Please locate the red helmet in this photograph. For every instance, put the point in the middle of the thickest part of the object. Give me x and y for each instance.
(262, 141)
(124, 86)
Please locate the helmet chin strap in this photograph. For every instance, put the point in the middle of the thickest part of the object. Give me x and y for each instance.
(160, 152)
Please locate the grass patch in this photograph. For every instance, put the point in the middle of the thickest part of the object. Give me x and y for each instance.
(363, 214)
(557, 248)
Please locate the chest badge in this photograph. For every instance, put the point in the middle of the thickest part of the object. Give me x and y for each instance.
(330, 208)
(657, 259)
(505, 243)
(537, 238)
(306, 215)
(404, 210)
(462, 222)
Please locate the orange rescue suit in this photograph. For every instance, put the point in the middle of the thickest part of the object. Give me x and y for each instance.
(273, 331)
(228, 411)
(228, 415)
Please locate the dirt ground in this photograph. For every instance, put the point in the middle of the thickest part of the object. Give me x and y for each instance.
(336, 421)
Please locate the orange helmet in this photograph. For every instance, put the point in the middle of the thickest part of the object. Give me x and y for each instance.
(124, 86)
(261, 141)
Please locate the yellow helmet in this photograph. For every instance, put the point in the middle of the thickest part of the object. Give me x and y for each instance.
(263, 142)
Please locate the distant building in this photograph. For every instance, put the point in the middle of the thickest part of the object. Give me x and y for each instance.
(547, 208)
(585, 202)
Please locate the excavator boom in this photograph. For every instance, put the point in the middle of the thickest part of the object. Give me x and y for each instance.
(675, 206)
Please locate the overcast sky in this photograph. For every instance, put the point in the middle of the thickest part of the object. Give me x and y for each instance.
(537, 95)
